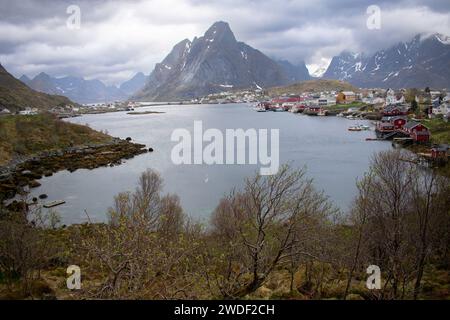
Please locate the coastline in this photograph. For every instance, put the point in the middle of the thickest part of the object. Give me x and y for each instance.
(26, 171)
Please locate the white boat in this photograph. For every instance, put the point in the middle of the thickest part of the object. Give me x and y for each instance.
(258, 109)
(354, 128)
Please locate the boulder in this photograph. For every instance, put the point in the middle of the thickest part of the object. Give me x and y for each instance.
(34, 184)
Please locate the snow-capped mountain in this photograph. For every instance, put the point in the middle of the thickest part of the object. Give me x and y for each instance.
(423, 61)
(212, 63)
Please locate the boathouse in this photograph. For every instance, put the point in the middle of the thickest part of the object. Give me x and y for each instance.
(439, 152)
(397, 121)
(417, 131)
(385, 127)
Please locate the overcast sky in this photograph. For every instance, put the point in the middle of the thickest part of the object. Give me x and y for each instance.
(116, 39)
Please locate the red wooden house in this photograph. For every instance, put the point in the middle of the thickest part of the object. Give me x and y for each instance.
(417, 131)
(385, 127)
(398, 122)
(312, 110)
(439, 152)
(394, 111)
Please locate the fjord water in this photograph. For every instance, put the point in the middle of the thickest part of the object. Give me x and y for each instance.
(333, 156)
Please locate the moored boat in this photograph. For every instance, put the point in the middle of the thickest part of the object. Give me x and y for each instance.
(354, 128)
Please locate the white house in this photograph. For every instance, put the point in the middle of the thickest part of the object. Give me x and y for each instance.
(4, 111)
(435, 94)
(28, 111)
(392, 99)
(326, 100)
(443, 109)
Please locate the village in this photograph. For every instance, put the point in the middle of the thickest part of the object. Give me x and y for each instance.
(402, 116)
(397, 115)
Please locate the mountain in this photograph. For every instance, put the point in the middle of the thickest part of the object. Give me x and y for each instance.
(423, 61)
(134, 84)
(212, 63)
(24, 79)
(75, 88)
(317, 85)
(295, 73)
(15, 95)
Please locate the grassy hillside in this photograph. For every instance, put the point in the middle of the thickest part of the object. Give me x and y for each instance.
(15, 95)
(313, 86)
(440, 130)
(26, 135)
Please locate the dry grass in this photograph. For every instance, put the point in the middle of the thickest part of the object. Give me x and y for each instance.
(27, 135)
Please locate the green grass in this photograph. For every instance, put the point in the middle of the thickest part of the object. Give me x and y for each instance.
(27, 135)
(345, 107)
(440, 130)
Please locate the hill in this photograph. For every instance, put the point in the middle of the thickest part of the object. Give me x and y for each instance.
(15, 95)
(313, 86)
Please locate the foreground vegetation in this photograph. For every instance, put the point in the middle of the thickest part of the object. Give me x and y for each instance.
(277, 237)
(27, 135)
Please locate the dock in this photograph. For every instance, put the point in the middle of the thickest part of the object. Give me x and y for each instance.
(54, 204)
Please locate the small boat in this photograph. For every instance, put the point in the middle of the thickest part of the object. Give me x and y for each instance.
(354, 128)
(364, 127)
(258, 109)
(54, 203)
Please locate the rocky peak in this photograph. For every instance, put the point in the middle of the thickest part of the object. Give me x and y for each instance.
(220, 32)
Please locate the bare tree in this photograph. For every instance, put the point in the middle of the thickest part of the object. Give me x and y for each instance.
(25, 245)
(360, 215)
(429, 205)
(145, 251)
(397, 211)
(260, 227)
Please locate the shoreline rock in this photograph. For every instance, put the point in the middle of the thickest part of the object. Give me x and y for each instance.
(24, 171)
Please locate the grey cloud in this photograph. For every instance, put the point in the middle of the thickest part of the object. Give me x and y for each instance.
(120, 38)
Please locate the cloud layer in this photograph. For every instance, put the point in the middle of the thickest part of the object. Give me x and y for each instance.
(119, 38)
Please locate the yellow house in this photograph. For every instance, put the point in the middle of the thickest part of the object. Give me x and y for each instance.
(345, 97)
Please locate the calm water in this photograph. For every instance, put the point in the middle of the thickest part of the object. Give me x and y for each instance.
(334, 157)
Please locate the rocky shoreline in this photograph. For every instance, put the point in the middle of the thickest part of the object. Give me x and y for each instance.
(24, 172)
